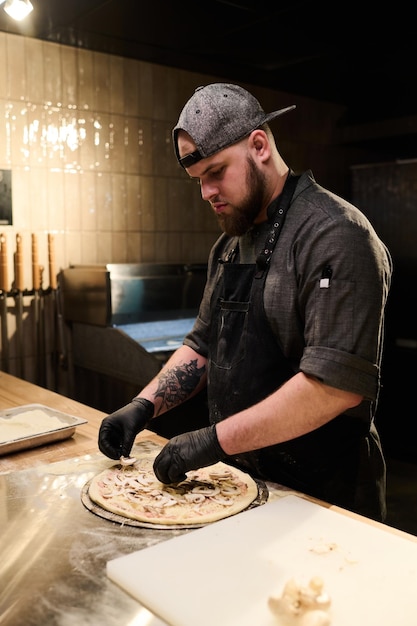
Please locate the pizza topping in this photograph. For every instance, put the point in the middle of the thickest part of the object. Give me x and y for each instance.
(127, 460)
(195, 498)
(206, 490)
(205, 495)
(224, 501)
(220, 475)
(302, 606)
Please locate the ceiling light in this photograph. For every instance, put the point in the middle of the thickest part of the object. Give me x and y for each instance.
(18, 9)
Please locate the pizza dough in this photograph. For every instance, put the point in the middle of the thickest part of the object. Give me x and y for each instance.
(207, 495)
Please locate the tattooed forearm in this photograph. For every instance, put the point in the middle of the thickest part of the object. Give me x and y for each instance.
(176, 384)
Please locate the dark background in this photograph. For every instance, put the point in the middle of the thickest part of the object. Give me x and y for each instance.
(342, 53)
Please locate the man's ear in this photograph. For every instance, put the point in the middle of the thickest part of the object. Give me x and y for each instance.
(258, 142)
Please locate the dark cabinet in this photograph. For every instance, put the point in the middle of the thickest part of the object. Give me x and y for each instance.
(387, 194)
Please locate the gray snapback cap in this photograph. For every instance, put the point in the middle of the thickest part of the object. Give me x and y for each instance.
(217, 116)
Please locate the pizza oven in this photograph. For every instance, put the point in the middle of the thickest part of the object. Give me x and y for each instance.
(122, 322)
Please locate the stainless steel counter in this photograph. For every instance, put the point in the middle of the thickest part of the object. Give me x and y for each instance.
(54, 551)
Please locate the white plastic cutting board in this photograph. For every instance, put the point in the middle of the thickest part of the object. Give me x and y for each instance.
(223, 574)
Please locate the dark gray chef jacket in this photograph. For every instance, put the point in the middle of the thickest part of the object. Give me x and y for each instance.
(317, 306)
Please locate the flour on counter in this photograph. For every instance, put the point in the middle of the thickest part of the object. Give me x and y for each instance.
(27, 424)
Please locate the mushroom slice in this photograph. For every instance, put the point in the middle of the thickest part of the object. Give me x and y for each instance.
(221, 474)
(127, 460)
(229, 490)
(206, 490)
(195, 498)
(223, 500)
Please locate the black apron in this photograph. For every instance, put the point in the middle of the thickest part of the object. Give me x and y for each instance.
(246, 364)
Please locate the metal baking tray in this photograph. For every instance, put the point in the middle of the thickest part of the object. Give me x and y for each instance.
(21, 441)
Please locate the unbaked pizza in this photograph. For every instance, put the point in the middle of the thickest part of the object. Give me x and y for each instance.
(207, 495)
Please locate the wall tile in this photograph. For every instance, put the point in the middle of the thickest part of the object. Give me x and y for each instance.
(146, 92)
(52, 73)
(117, 84)
(16, 67)
(116, 144)
(161, 243)
(102, 83)
(133, 203)
(73, 245)
(21, 203)
(34, 55)
(104, 201)
(4, 73)
(60, 246)
(17, 120)
(147, 210)
(89, 248)
(120, 209)
(30, 138)
(90, 129)
(85, 80)
(56, 199)
(130, 138)
(149, 247)
(144, 147)
(119, 247)
(131, 87)
(72, 200)
(5, 140)
(164, 93)
(102, 135)
(88, 203)
(104, 247)
(134, 247)
(164, 161)
(38, 185)
(162, 206)
(69, 71)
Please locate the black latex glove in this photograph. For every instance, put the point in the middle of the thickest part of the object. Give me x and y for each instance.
(118, 430)
(186, 452)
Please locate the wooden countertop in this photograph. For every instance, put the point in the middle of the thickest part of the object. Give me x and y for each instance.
(16, 392)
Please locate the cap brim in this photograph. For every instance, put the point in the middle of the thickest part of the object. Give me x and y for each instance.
(275, 114)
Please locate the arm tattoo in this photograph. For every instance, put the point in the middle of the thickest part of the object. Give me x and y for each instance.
(176, 384)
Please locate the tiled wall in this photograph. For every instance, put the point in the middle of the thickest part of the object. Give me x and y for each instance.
(87, 137)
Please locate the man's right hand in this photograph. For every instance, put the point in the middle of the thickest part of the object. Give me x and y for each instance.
(118, 431)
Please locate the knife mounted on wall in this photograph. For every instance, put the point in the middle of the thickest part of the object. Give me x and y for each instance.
(4, 287)
(18, 290)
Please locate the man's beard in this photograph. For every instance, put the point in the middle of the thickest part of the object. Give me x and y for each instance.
(244, 215)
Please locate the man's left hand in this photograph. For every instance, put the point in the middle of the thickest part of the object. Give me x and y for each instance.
(187, 452)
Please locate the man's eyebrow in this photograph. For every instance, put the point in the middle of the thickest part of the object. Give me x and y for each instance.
(210, 167)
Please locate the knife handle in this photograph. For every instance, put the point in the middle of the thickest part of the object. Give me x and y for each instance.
(3, 263)
(18, 264)
(35, 264)
(51, 261)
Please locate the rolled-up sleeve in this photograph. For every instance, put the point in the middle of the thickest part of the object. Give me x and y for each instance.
(342, 370)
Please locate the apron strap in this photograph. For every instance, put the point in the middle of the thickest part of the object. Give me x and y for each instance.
(264, 257)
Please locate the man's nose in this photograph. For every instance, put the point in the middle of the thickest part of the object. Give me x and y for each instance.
(208, 191)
